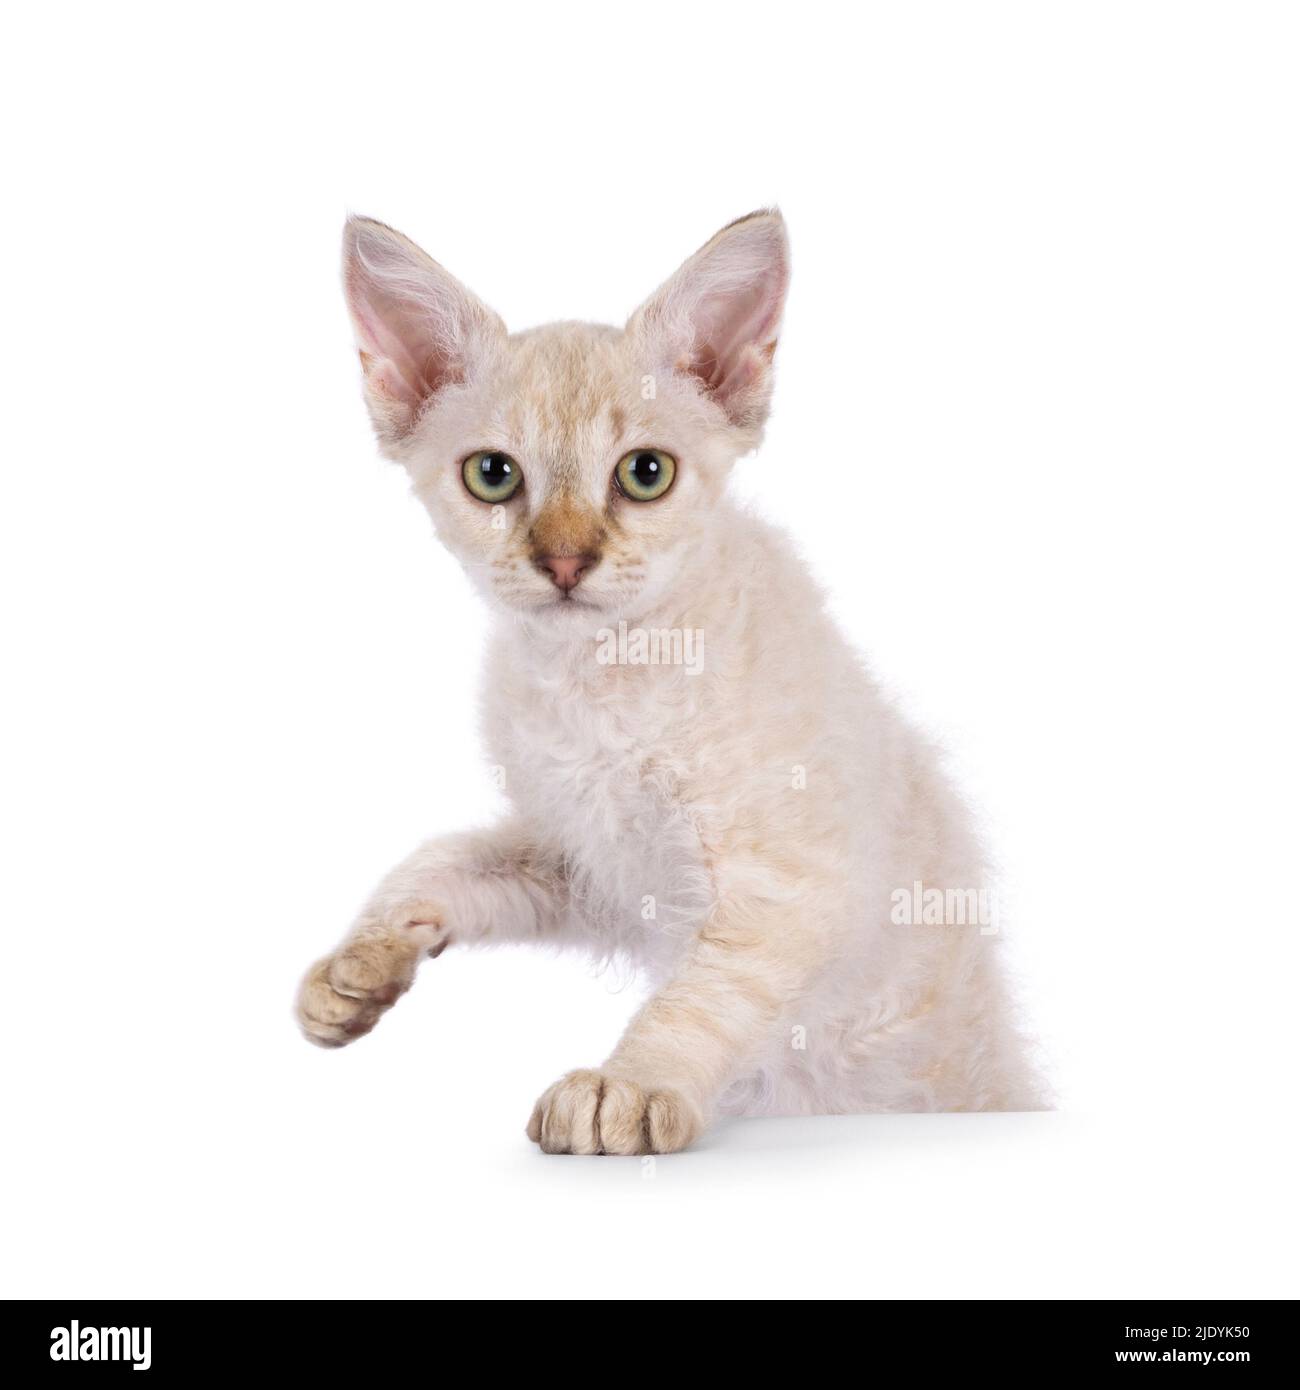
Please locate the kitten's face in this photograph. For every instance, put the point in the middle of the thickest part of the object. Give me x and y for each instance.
(564, 404)
(514, 442)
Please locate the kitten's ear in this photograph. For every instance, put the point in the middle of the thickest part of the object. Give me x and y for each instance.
(717, 319)
(418, 328)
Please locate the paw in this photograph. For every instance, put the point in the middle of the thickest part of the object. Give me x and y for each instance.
(346, 994)
(588, 1112)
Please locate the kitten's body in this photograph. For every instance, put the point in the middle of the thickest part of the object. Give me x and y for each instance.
(736, 826)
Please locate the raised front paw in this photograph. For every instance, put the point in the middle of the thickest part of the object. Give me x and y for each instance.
(588, 1112)
(345, 995)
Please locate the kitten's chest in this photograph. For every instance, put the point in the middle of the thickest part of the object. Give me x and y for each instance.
(593, 760)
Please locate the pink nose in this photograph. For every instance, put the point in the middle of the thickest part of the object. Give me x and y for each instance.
(566, 570)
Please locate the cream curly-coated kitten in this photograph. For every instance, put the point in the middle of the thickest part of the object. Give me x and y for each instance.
(704, 778)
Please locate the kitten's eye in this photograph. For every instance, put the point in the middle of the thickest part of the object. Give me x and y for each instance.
(645, 474)
(492, 477)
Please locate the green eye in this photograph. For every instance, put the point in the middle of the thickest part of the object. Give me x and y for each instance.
(492, 477)
(645, 474)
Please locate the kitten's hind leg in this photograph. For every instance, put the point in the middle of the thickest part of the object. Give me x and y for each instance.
(491, 885)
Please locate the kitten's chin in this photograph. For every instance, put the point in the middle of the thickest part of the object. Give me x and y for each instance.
(573, 615)
(567, 610)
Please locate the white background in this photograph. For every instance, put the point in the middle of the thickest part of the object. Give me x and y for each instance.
(1035, 428)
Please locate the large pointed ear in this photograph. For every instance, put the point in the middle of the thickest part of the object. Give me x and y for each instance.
(418, 328)
(717, 319)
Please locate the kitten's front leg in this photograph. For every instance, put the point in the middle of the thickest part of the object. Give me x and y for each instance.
(458, 888)
(749, 967)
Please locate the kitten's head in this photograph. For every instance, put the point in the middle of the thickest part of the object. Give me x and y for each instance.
(574, 469)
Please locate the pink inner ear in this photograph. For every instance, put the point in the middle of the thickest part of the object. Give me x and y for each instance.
(386, 382)
(390, 368)
(727, 327)
(734, 337)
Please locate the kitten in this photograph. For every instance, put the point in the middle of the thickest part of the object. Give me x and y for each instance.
(748, 825)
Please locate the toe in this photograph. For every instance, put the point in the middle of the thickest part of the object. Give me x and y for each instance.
(320, 1002)
(670, 1124)
(369, 969)
(622, 1113)
(569, 1122)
